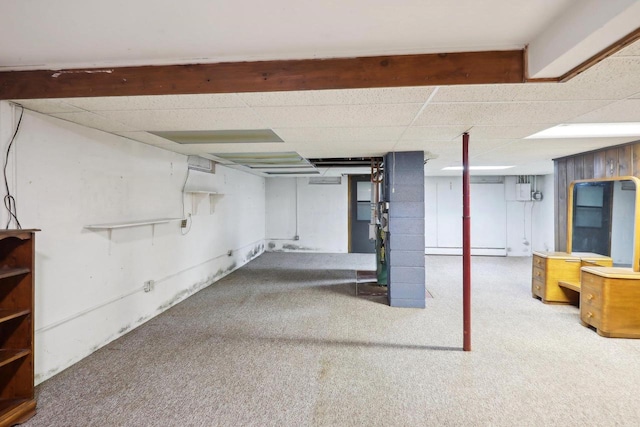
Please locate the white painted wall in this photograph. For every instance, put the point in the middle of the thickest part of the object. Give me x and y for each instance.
(321, 213)
(89, 284)
(622, 224)
(500, 225)
(443, 217)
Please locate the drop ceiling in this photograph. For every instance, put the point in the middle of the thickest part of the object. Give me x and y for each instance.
(327, 123)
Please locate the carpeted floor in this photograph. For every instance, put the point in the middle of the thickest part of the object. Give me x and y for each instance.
(284, 342)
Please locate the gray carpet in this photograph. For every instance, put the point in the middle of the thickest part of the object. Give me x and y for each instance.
(284, 342)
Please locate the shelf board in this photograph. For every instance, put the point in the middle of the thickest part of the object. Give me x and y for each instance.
(126, 224)
(6, 315)
(23, 234)
(8, 356)
(10, 272)
(202, 192)
(13, 411)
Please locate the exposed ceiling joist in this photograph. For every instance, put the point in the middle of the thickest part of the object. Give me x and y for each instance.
(269, 76)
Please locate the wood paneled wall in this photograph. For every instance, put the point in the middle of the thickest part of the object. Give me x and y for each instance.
(621, 160)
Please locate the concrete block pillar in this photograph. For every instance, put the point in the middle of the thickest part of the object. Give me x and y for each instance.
(404, 190)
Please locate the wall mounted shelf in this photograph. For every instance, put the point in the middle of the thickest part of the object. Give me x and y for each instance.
(126, 224)
(198, 194)
(202, 192)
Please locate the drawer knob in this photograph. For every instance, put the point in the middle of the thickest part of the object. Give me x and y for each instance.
(537, 287)
(589, 315)
(538, 274)
(589, 297)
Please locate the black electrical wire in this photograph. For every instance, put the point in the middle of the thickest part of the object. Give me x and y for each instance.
(9, 200)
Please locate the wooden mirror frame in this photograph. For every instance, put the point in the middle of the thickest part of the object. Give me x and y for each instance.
(636, 226)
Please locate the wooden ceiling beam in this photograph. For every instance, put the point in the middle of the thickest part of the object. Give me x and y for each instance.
(269, 76)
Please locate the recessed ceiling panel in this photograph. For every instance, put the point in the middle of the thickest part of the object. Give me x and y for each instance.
(188, 119)
(232, 136)
(287, 163)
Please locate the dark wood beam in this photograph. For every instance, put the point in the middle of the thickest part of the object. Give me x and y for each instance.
(269, 76)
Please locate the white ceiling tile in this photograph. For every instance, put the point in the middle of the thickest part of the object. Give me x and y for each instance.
(339, 115)
(477, 93)
(524, 151)
(159, 102)
(187, 119)
(433, 133)
(516, 113)
(328, 134)
(612, 79)
(94, 121)
(506, 132)
(339, 97)
(450, 150)
(47, 106)
(621, 111)
(349, 149)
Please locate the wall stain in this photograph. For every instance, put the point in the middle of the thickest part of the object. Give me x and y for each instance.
(292, 247)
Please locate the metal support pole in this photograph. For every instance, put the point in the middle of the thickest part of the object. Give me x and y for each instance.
(466, 246)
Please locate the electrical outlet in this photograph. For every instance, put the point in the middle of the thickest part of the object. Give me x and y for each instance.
(148, 285)
(183, 223)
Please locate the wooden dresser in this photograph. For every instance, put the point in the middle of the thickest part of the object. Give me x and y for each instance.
(551, 267)
(610, 301)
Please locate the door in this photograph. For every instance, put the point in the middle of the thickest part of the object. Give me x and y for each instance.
(360, 214)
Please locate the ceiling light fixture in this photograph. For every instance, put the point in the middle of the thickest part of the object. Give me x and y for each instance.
(477, 168)
(589, 130)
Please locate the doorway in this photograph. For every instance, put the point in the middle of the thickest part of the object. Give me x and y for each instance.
(360, 214)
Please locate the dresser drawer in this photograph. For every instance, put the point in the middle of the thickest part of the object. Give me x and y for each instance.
(538, 261)
(591, 316)
(537, 288)
(538, 274)
(591, 302)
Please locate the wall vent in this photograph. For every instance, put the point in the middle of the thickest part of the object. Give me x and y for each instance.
(201, 164)
(325, 180)
(486, 179)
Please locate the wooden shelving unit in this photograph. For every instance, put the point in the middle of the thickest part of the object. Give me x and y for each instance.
(17, 250)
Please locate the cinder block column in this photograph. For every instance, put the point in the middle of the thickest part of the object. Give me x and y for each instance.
(404, 190)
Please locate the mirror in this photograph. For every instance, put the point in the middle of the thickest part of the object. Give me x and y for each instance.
(602, 219)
